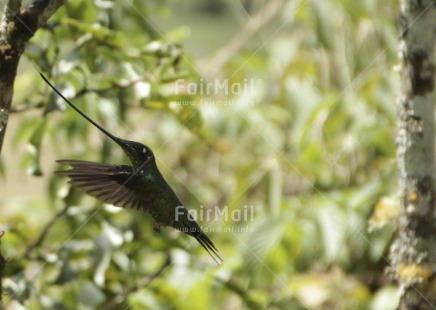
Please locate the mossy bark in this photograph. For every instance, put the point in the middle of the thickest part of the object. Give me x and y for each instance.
(413, 254)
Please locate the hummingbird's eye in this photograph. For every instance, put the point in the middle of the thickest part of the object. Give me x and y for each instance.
(144, 150)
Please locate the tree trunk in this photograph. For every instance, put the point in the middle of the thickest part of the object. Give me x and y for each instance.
(413, 254)
(16, 28)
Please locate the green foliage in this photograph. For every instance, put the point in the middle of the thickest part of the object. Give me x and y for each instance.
(306, 154)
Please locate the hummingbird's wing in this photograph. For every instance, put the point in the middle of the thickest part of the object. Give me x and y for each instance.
(114, 184)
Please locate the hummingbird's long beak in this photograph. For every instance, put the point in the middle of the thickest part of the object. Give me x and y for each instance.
(107, 133)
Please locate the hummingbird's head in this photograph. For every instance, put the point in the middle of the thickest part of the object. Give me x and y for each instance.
(140, 154)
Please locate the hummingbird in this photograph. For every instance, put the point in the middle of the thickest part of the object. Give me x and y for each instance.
(140, 186)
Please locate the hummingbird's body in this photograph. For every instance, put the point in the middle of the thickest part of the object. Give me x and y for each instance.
(140, 186)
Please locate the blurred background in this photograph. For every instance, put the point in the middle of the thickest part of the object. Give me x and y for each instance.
(308, 153)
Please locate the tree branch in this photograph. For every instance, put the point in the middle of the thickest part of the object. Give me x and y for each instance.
(2, 269)
(253, 25)
(16, 29)
(12, 8)
(45, 231)
(114, 302)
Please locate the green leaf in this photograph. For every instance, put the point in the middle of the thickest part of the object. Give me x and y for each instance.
(90, 295)
(34, 147)
(333, 231)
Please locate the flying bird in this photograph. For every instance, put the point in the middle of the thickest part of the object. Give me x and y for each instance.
(140, 186)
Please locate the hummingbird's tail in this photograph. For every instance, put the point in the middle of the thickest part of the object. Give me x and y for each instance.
(190, 227)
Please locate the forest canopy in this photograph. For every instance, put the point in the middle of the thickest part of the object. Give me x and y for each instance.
(272, 121)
